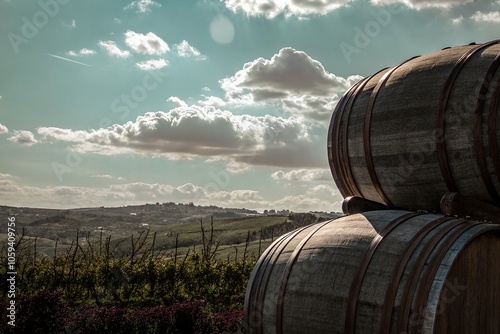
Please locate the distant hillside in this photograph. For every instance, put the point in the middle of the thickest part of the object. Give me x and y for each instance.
(170, 224)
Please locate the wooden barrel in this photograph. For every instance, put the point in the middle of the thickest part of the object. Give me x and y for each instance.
(387, 271)
(410, 133)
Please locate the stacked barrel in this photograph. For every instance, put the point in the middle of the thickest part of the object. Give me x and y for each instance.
(414, 149)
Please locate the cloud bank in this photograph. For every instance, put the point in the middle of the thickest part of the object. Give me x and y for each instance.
(189, 131)
(321, 197)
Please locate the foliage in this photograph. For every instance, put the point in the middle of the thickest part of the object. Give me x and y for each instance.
(91, 289)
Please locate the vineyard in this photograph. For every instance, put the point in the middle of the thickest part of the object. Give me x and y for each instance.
(97, 286)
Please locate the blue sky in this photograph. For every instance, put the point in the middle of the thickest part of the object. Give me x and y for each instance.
(212, 102)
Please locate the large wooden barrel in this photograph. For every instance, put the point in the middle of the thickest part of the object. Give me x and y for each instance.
(410, 133)
(387, 271)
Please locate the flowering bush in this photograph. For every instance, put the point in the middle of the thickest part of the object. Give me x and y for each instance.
(228, 322)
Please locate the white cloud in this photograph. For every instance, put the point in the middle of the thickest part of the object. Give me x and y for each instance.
(146, 44)
(49, 133)
(272, 8)
(457, 20)
(205, 89)
(324, 191)
(83, 51)
(486, 17)
(3, 129)
(289, 71)
(419, 4)
(303, 175)
(107, 176)
(185, 131)
(185, 50)
(213, 101)
(318, 198)
(238, 197)
(177, 101)
(152, 64)
(23, 137)
(71, 25)
(86, 51)
(299, 83)
(142, 6)
(113, 50)
(234, 167)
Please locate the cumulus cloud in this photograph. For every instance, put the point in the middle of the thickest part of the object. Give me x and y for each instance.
(303, 175)
(323, 191)
(320, 197)
(184, 49)
(113, 50)
(272, 8)
(213, 101)
(107, 176)
(3, 129)
(152, 64)
(288, 71)
(419, 4)
(206, 132)
(234, 167)
(23, 137)
(83, 51)
(86, 51)
(177, 101)
(146, 44)
(301, 84)
(142, 6)
(52, 133)
(71, 25)
(457, 20)
(239, 197)
(493, 17)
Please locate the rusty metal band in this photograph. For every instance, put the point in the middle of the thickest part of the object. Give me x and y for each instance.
(255, 278)
(492, 128)
(440, 120)
(433, 266)
(333, 142)
(345, 143)
(411, 285)
(367, 132)
(257, 295)
(397, 274)
(286, 275)
(478, 131)
(352, 301)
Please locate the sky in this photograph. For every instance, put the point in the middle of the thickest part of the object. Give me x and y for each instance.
(112, 103)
